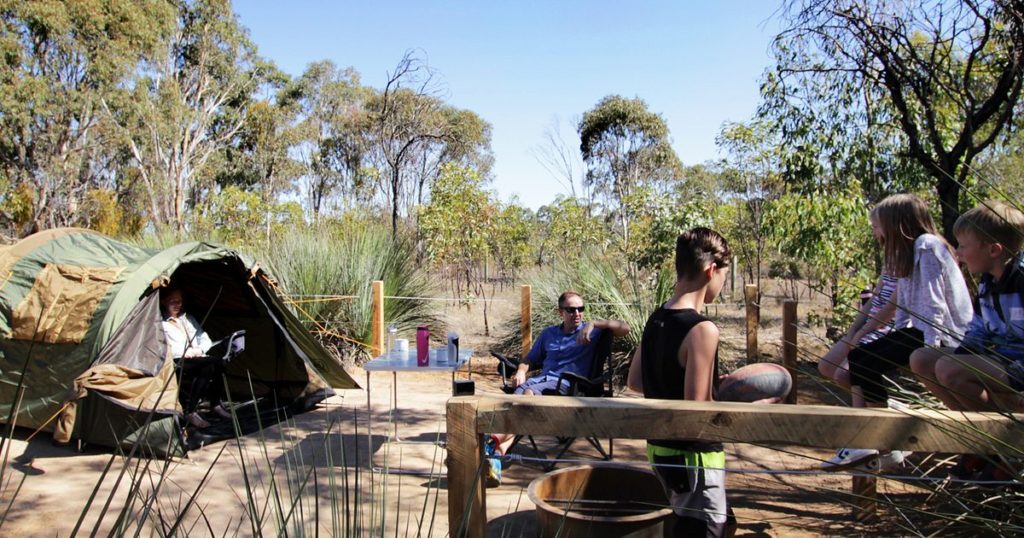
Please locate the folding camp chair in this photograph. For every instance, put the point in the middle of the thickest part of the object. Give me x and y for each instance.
(196, 374)
(597, 384)
(229, 347)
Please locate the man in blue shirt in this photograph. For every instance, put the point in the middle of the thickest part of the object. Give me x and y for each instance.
(567, 347)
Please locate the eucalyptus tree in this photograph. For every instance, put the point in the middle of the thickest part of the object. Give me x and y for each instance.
(624, 146)
(334, 146)
(456, 225)
(260, 157)
(829, 234)
(402, 117)
(413, 133)
(467, 142)
(939, 79)
(567, 228)
(561, 158)
(188, 103)
(751, 179)
(61, 60)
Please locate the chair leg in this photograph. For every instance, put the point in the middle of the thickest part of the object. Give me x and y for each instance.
(533, 443)
(565, 448)
(597, 445)
(515, 441)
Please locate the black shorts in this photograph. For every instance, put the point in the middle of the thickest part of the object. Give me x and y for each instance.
(871, 361)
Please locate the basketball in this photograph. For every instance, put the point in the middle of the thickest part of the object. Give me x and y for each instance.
(755, 382)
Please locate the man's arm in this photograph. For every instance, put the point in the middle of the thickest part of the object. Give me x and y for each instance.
(201, 340)
(618, 328)
(520, 376)
(535, 356)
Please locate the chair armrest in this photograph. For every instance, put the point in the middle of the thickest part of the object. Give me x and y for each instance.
(506, 368)
(579, 385)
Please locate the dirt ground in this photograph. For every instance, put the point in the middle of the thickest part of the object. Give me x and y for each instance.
(322, 458)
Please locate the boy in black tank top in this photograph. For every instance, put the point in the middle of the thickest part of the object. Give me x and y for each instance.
(678, 360)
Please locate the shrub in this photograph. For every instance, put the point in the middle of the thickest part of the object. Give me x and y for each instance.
(329, 269)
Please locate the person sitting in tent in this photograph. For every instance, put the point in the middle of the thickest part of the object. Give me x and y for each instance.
(188, 342)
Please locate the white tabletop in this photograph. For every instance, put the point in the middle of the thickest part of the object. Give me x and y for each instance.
(405, 361)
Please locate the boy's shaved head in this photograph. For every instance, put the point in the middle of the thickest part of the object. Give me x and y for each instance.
(696, 248)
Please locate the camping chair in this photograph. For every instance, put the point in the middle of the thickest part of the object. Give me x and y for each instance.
(229, 347)
(597, 384)
(195, 372)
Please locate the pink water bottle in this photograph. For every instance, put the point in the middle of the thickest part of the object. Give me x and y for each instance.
(422, 345)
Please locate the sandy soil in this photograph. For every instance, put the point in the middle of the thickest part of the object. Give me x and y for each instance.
(321, 458)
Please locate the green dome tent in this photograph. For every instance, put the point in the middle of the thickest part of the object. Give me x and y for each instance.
(80, 331)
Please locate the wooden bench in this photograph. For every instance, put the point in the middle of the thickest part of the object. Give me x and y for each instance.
(810, 426)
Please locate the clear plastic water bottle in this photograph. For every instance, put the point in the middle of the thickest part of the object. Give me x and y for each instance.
(392, 336)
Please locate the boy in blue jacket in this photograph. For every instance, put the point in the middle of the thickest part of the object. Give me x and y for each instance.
(986, 373)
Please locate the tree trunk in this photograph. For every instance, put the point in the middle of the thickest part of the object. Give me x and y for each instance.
(394, 201)
(948, 189)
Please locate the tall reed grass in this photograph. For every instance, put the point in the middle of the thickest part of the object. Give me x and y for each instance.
(328, 271)
(288, 485)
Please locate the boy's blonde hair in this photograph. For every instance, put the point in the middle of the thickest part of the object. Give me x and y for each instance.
(994, 222)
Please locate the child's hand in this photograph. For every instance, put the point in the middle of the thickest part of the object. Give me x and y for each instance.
(772, 400)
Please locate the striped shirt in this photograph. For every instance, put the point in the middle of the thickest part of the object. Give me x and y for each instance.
(883, 292)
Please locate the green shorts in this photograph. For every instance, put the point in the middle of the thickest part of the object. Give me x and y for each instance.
(695, 485)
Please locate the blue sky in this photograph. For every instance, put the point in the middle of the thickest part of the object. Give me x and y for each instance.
(524, 66)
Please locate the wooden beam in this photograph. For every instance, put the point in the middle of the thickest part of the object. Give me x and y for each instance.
(789, 349)
(805, 425)
(467, 504)
(632, 418)
(753, 317)
(525, 318)
(377, 317)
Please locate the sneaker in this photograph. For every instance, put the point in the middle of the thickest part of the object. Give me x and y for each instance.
(968, 466)
(883, 462)
(494, 463)
(983, 470)
(848, 457)
(199, 422)
(897, 405)
(221, 412)
(999, 470)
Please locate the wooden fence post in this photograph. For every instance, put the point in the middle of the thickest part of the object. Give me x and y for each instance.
(526, 315)
(377, 317)
(753, 317)
(467, 500)
(789, 349)
(865, 497)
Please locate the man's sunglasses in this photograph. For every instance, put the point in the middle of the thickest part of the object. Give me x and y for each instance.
(570, 309)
